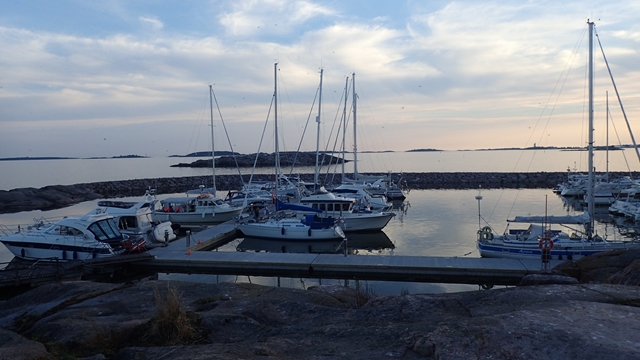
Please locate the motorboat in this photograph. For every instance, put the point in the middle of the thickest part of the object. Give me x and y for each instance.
(364, 199)
(135, 219)
(343, 208)
(72, 238)
(191, 211)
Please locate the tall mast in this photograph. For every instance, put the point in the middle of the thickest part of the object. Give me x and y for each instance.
(607, 97)
(355, 138)
(277, 149)
(590, 206)
(344, 123)
(315, 178)
(213, 159)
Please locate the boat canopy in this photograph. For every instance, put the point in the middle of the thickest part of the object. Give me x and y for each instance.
(553, 219)
(287, 206)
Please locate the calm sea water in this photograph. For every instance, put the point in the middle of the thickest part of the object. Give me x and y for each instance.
(39, 173)
(433, 222)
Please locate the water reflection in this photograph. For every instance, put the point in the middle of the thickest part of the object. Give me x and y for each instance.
(356, 243)
(625, 227)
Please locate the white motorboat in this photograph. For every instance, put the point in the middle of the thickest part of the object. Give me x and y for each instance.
(73, 238)
(189, 211)
(343, 208)
(364, 199)
(135, 219)
(538, 239)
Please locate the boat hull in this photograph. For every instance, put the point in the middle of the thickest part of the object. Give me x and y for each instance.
(31, 249)
(289, 230)
(559, 251)
(187, 219)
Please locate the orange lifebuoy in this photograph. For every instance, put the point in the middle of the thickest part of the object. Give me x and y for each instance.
(545, 243)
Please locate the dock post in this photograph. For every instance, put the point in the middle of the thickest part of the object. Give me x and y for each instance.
(188, 237)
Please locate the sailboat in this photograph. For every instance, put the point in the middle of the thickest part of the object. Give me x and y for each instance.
(354, 219)
(362, 187)
(284, 223)
(539, 238)
(205, 208)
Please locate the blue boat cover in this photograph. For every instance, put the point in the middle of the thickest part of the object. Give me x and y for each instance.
(286, 206)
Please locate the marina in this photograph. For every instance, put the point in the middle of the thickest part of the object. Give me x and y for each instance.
(429, 243)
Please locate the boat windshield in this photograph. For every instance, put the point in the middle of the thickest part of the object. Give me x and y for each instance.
(105, 230)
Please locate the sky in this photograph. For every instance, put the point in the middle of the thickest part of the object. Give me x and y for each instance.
(111, 78)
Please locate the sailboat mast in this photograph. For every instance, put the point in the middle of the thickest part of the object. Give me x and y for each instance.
(607, 98)
(213, 159)
(344, 123)
(590, 205)
(355, 138)
(315, 178)
(277, 149)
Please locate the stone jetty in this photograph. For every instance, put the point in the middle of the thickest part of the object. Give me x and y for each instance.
(60, 196)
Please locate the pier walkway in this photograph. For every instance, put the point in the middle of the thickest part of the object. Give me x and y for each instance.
(177, 257)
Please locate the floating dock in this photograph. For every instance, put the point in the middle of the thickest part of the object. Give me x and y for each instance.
(190, 256)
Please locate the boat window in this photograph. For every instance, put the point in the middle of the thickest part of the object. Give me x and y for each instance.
(104, 230)
(329, 207)
(68, 231)
(127, 222)
(323, 207)
(346, 207)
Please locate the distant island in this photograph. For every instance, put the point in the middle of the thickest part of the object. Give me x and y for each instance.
(237, 154)
(70, 158)
(265, 160)
(207, 154)
(423, 150)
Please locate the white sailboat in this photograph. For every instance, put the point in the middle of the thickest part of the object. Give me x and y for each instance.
(284, 223)
(380, 187)
(530, 243)
(206, 208)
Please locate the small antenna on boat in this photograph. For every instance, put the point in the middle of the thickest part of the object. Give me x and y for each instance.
(479, 197)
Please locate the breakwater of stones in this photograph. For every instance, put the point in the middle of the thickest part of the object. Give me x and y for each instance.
(60, 196)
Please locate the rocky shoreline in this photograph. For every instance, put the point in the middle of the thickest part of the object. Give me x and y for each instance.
(60, 196)
(587, 309)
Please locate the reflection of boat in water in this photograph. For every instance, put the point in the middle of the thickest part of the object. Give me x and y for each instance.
(355, 242)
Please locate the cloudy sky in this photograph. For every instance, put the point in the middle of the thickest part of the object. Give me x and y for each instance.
(109, 78)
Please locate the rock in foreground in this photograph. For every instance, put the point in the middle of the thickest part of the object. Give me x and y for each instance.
(247, 321)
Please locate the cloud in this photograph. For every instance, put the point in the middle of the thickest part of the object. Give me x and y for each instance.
(155, 24)
(260, 18)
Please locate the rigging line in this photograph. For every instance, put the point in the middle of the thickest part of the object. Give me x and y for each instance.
(559, 83)
(264, 130)
(224, 126)
(337, 117)
(198, 127)
(613, 82)
(304, 131)
(615, 130)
